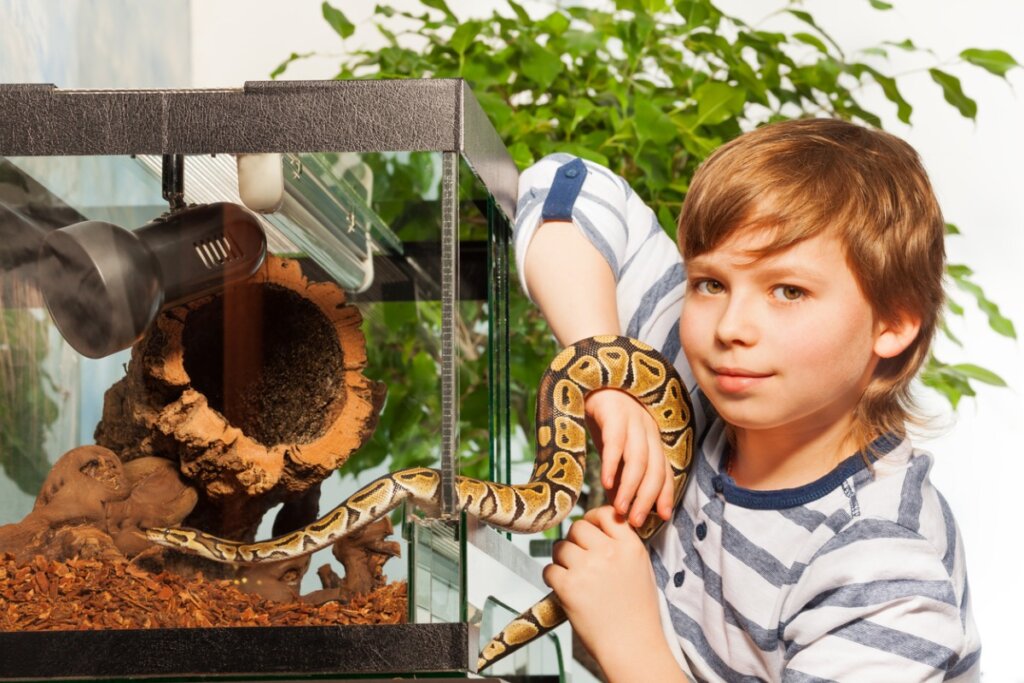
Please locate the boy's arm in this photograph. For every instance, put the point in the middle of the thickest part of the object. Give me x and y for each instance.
(571, 283)
(575, 290)
(621, 625)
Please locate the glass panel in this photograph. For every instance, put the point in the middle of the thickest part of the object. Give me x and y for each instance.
(249, 359)
(326, 211)
(438, 579)
(54, 399)
(499, 570)
(499, 286)
(374, 338)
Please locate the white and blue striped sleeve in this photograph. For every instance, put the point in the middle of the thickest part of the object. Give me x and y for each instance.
(876, 603)
(590, 195)
(625, 231)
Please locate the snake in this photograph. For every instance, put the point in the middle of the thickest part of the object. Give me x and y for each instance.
(546, 499)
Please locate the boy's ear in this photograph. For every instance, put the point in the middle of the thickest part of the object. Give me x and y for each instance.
(894, 336)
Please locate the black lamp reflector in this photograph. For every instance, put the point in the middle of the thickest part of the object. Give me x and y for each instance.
(104, 285)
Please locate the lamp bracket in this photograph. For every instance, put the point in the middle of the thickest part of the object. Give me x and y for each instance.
(174, 180)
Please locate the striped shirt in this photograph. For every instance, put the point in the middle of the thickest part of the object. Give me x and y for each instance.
(858, 576)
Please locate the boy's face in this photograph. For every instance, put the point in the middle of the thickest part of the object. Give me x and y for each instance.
(787, 341)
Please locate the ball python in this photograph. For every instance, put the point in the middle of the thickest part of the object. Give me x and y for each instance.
(540, 503)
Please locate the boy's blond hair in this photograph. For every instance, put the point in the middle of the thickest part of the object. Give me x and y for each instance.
(804, 177)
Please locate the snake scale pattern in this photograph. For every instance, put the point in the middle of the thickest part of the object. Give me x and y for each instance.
(540, 503)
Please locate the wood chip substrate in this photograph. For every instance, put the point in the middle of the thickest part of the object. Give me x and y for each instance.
(47, 595)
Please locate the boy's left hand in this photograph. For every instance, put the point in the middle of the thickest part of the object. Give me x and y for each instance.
(634, 469)
(602, 574)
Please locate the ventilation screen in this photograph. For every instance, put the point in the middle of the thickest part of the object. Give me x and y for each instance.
(217, 251)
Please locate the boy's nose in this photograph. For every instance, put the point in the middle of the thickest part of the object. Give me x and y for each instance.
(737, 324)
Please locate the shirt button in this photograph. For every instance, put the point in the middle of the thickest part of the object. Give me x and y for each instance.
(571, 173)
(678, 579)
(702, 531)
(716, 482)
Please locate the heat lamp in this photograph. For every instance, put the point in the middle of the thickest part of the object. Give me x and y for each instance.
(104, 285)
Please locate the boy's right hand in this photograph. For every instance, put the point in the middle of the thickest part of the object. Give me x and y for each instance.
(634, 469)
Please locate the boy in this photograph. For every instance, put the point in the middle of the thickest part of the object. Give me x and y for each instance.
(810, 544)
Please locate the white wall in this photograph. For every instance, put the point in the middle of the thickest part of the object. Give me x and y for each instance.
(89, 44)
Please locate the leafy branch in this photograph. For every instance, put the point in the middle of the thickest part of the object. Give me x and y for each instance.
(650, 88)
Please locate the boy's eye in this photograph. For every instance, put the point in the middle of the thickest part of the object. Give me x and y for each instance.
(787, 292)
(709, 287)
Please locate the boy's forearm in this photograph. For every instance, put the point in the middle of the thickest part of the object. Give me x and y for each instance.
(642, 665)
(571, 283)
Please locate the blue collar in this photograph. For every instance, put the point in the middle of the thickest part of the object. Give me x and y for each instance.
(781, 499)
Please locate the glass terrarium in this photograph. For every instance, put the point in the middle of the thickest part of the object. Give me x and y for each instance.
(370, 335)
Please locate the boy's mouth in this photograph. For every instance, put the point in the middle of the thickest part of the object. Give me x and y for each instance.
(734, 380)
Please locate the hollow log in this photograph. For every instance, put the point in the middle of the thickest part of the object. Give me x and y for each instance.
(257, 393)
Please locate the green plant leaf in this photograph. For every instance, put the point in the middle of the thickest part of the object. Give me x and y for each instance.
(655, 6)
(949, 334)
(953, 381)
(540, 65)
(555, 23)
(581, 43)
(979, 373)
(952, 229)
(521, 154)
(893, 94)
(463, 36)
(495, 107)
(997, 62)
(996, 320)
(581, 110)
(520, 12)
(878, 4)
(338, 21)
(586, 153)
(958, 270)
(852, 109)
(953, 391)
(694, 12)
(905, 44)
(442, 6)
(389, 36)
(954, 93)
(813, 41)
(889, 88)
(280, 69)
(652, 123)
(809, 20)
(717, 102)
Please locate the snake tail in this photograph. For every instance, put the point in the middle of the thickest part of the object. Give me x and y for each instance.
(542, 618)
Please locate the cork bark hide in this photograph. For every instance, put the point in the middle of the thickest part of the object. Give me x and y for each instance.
(92, 506)
(363, 554)
(256, 393)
